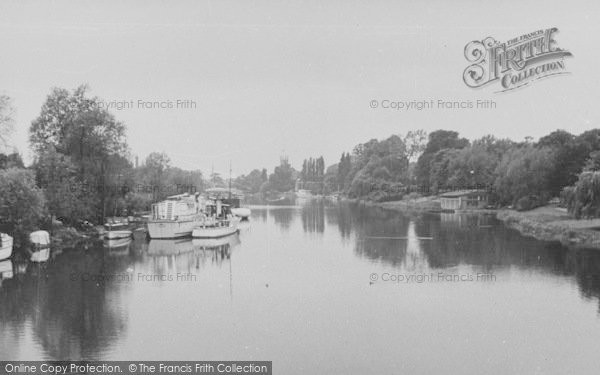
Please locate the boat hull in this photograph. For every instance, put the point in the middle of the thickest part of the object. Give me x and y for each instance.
(216, 231)
(213, 232)
(7, 247)
(117, 234)
(118, 246)
(165, 229)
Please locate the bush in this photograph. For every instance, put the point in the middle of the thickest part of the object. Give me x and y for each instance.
(583, 199)
(528, 203)
(413, 196)
(22, 203)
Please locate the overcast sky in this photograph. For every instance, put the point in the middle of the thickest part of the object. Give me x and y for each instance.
(297, 79)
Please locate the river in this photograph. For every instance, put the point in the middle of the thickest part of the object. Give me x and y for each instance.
(319, 288)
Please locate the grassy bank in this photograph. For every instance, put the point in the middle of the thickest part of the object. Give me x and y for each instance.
(419, 204)
(422, 204)
(550, 223)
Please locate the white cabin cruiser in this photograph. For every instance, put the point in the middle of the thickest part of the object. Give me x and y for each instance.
(175, 217)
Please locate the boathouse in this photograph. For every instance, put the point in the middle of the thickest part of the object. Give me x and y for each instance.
(463, 200)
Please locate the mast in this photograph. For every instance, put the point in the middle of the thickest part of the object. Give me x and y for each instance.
(229, 181)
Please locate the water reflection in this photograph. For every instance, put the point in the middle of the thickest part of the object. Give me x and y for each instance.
(259, 213)
(313, 216)
(70, 318)
(187, 255)
(6, 270)
(340, 215)
(283, 216)
(479, 241)
(313, 268)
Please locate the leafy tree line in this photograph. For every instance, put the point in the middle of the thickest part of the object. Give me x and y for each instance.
(253, 182)
(312, 174)
(583, 197)
(523, 174)
(377, 170)
(83, 171)
(82, 168)
(22, 203)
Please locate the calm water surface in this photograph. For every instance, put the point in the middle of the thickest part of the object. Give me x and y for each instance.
(309, 287)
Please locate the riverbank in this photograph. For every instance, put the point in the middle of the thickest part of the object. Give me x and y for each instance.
(550, 223)
(422, 204)
(68, 237)
(427, 204)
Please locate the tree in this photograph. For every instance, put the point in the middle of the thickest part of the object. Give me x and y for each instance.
(66, 197)
(13, 160)
(415, 142)
(377, 170)
(156, 164)
(77, 127)
(583, 199)
(21, 201)
(524, 172)
(593, 163)
(252, 182)
(440, 170)
(473, 167)
(6, 120)
(568, 159)
(438, 140)
(312, 174)
(344, 168)
(282, 178)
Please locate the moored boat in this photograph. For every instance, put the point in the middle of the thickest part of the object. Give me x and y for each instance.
(231, 197)
(39, 250)
(217, 228)
(119, 246)
(140, 234)
(241, 212)
(303, 194)
(175, 217)
(6, 246)
(117, 228)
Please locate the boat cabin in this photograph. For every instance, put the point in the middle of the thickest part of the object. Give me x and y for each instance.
(176, 207)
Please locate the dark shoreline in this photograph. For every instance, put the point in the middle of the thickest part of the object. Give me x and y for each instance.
(547, 223)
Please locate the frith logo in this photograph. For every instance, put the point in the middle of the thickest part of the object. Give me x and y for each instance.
(515, 63)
